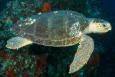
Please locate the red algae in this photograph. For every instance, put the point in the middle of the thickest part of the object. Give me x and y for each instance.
(41, 63)
(25, 74)
(11, 73)
(14, 19)
(3, 54)
(75, 75)
(46, 7)
(95, 59)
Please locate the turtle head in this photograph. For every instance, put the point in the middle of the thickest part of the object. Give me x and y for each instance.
(98, 26)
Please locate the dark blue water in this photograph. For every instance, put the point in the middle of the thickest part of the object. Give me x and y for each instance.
(109, 6)
(3, 4)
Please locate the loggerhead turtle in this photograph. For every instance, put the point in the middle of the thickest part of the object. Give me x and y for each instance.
(59, 29)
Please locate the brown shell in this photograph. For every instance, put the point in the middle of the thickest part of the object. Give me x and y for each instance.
(52, 29)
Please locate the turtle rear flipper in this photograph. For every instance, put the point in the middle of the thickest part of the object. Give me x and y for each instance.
(17, 42)
(83, 53)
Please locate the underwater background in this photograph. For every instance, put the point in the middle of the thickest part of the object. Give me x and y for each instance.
(39, 61)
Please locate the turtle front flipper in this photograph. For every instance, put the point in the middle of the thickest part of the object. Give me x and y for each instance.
(17, 42)
(83, 53)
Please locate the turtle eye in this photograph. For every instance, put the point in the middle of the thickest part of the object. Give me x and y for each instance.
(104, 25)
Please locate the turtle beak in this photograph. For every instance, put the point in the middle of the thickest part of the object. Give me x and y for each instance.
(109, 27)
